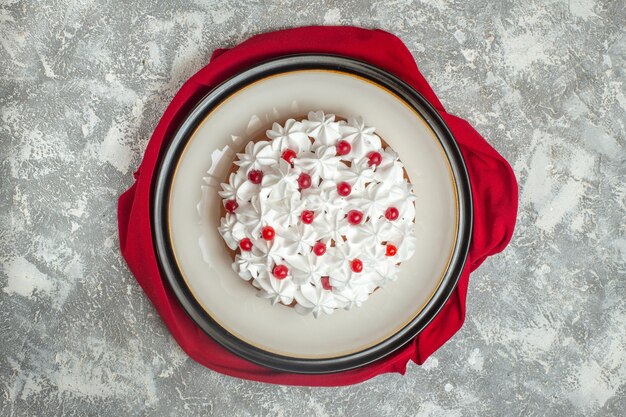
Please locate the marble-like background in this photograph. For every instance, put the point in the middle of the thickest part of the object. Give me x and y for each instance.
(82, 85)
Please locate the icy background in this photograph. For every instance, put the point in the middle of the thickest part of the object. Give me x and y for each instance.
(82, 86)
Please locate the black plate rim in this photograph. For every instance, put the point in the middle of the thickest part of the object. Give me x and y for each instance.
(160, 231)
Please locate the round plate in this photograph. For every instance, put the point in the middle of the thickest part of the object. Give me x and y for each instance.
(197, 264)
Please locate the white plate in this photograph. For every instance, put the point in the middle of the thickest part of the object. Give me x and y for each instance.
(194, 214)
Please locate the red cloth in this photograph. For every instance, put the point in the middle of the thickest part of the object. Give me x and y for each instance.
(493, 184)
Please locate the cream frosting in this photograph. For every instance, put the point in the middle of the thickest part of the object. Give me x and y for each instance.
(319, 284)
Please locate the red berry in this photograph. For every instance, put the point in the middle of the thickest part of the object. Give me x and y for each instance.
(307, 216)
(255, 176)
(392, 213)
(343, 148)
(391, 250)
(245, 244)
(304, 180)
(280, 271)
(356, 265)
(326, 283)
(268, 233)
(231, 206)
(355, 217)
(319, 249)
(344, 189)
(288, 155)
(375, 158)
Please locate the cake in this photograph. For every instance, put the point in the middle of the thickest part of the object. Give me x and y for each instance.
(318, 214)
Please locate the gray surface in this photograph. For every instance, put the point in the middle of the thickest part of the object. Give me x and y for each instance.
(82, 87)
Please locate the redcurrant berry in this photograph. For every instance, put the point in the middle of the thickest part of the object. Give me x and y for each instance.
(304, 180)
(392, 213)
(231, 206)
(319, 249)
(374, 158)
(307, 217)
(326, 283)
(255, 176)
(343, 148)
(280, 271)
(355, 217)
(289, 155)
(245, 244)
(268, 233)
(344, 189)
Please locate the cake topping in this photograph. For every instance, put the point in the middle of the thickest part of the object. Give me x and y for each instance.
(322, 127)
(238, 188)
(322, 163)
(231, 206)
(304, 181)
(231, 230)
(355, 217)
(307, 216)
(362, 138)
(392, 213)
(315, 300)
(319, 249)
(343, 148)
(245, 244)
(356, 265)
(391, 250)
(390, 171)
(320, 214)
(268, 233)
(375, 158)
(255, 176)
(280, 271)
(344, 189)
(290, 136)
(256, 156)
(288, 155)
(325, 281)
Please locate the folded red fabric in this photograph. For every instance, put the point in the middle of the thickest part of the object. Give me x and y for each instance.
(493, 184)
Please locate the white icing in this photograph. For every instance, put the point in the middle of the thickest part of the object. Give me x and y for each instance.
(273, 251)
(323, 163)
(279, 202)
(249, 264)
(255, 215)
(316, 300)
(238, 188)
(323, 197)
(332, 225)
(322, 128)
(406, 244)
(231, 230)
(300, 238)
(374, 200)
(390, 171)
(377, 230)
(307, 268)
(287, 209)
(257, 155)
(291, 136)
(358, 174)
(360, 137)
(280, 181)
(276, 290)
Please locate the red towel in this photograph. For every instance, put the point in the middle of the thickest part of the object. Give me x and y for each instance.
(493, 185)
